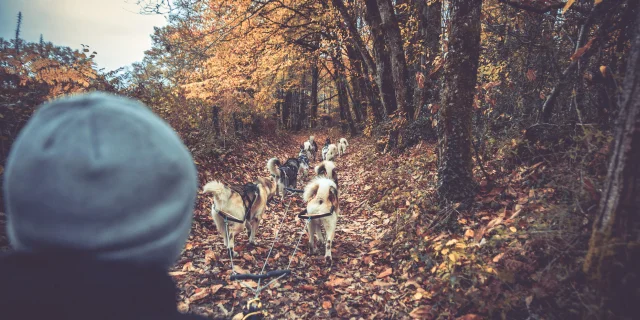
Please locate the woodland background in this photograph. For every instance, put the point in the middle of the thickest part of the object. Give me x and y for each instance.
(530, 109)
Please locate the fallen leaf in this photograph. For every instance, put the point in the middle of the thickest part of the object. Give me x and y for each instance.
(188, 266)
(326, 304)
(582, 50)
(177, 273)
(383, 284)
(199, 294)
(498, 257)
(307, 287)
(214, 288)
(567, 6)
(420, 312)
(469, 316)
(468, 234)
(385, 273)
(183, 307)
(528, 300)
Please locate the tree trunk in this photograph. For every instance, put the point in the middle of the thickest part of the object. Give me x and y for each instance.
(359, 102)
(384, 76)
(340, 79)
(614, 250)
(215, 116)
(393, 38)
(315, 74)
(286, 110)
(302, 102)
(429, 29)
(455, 174)
(371, 90)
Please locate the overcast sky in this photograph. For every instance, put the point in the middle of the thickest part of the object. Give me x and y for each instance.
(113, 28)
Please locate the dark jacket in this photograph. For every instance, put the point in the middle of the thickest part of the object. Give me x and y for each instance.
(70, 288)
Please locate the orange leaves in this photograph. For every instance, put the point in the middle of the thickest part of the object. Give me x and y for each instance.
(531, 75)
(387, 272)
(326, 304)
(568, 5)
(582, 50)
(490, 85)
(422, 312)
(420, 79)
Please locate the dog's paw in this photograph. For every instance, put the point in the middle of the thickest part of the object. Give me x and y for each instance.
(328, 260)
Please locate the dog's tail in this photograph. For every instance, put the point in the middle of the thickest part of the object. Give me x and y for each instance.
(325, 168)
(311, 139)
(217, 188)
(272, 165)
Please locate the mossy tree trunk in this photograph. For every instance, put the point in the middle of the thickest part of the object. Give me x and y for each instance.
(455, 174)
(613, 259)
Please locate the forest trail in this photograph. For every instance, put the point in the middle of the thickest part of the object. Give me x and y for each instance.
(358, 282)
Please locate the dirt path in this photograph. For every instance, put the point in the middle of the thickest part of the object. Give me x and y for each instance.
(347, 289)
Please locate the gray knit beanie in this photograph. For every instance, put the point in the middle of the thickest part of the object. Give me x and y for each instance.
(103, 176)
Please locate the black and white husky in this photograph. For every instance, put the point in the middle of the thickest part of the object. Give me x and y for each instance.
(287, 175)
(325, 149)
(303, 160)
(311, 147)
(327, 169)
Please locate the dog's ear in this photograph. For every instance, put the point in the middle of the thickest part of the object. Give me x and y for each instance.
(310, 191)
(333, 195)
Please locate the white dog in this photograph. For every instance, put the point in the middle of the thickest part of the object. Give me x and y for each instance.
(327, 169)
(246, 202)
(321, 196)
(342, 146)
(332, 152)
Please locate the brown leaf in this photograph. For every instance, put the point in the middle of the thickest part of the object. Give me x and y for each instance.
(214, 288)
(385, 273)
(498, 257)
(531, 75)
(422, 312)
(199, 294)
(335, 282)
(383, 284)
(326, 304)
(582, 50)
(307, 287)
(469, 316)
(183, 307)
(468, 234)
(188, 266)
(528, 300)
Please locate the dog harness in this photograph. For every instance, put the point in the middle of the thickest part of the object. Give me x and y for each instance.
(304, 215)
(249, 194)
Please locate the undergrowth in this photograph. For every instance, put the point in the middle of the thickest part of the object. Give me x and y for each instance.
(517, 252)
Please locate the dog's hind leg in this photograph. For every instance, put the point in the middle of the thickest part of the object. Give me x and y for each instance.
(312, 231)
(252, 229)
(330, 227)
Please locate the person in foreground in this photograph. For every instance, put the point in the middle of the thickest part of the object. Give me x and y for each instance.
(99, 196)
